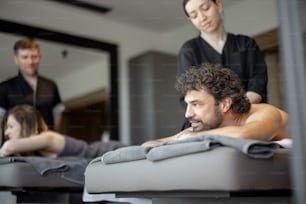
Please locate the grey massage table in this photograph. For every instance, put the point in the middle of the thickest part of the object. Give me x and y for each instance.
(220, 175)
(21, 183)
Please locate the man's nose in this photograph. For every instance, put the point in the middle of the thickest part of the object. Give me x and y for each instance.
(31, 60)
(189, 112)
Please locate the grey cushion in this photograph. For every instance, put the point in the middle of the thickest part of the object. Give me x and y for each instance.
(220, 169)
(23, 175)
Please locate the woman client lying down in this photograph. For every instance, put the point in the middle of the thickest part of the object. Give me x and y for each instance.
(26, 134)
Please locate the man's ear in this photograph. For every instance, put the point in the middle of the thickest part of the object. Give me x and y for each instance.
(225, 104)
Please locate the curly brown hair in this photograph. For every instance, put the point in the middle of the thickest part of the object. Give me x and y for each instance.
(218, 81)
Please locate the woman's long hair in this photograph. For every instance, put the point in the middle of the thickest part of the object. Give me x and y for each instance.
(29, 118)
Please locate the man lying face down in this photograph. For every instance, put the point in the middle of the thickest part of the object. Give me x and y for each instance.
(217, 104)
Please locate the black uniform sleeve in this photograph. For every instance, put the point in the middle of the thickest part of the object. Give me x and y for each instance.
(3, 95)
(57, 97)
(258, 77)
(185, 59)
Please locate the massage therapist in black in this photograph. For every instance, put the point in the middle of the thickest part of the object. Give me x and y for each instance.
(214, 45)
(28, 87)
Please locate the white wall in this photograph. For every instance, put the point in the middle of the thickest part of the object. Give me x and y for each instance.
(93, 77)
(252, 17)
(248, 17)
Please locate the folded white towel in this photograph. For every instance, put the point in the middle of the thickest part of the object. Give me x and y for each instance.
(285, 143)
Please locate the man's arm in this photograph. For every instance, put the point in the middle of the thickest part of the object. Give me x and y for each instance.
(57, 118)
(57, 109)
(265, 122)
(183, 134)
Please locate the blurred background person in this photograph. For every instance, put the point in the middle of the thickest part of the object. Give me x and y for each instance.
(28, 87)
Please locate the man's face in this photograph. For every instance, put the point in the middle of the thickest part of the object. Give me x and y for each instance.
(202, 110)
(28, 61)
(204, 14)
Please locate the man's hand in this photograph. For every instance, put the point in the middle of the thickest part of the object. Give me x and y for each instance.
(187, 133)
(150, 143)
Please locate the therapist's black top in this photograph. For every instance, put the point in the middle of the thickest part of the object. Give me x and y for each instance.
(240, 53)
(17, 91)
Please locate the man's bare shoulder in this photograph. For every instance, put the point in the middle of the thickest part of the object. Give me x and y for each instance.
(264, 107)
(264, 110)
(271, 115)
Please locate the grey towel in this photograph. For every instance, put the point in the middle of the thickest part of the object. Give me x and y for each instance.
(179, 149)
(72, 168)
(124, 154)
(252, 148)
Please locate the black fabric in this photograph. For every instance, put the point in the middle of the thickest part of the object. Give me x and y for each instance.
(240, 53)
(17, 91)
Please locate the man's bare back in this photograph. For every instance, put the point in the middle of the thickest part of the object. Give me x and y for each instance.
(272, 116)
(216, 110)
